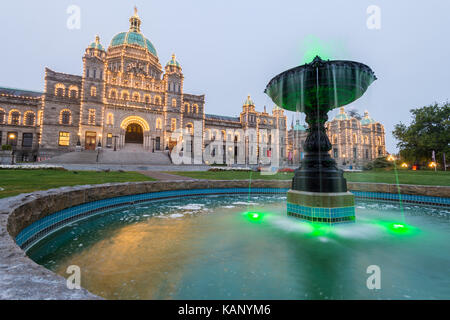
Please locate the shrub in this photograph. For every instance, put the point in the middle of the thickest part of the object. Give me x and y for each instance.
(6, 147)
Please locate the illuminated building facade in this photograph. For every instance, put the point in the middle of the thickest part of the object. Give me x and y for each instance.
(354, 142)
(124, 96)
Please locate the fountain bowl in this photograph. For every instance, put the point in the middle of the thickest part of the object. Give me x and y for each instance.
(324, 84)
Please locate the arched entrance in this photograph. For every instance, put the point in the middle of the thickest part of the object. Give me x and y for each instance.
(134, 134)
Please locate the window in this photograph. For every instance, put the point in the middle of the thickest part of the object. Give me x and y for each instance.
(65, 117)
(355, 153)
(27, 140)
(136, 97)
(158, 100)
(187, 108)
(109, 138)
(190, 128)
(60, 89)
(174, 102)
(367, 154)
(355, 138)
(11, 139)
(29, 118)
(110, 119)
(87, 72)
(195, 108)
(125, 95)
(14, 117)
(64, 139)
(93, 91)
(147, 98)
(95, 73)
(91, 119)
(113, 94)
(173, 125)
(158, 124)
(73, 92)
(2, 116)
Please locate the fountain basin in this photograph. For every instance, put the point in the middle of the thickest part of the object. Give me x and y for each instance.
(25, 210)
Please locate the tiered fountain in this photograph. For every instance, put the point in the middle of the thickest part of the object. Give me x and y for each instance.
(319, 190)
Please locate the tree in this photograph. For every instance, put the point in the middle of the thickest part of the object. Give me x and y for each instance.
(429, 130)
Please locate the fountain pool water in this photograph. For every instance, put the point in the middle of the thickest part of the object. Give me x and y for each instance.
(241, 247)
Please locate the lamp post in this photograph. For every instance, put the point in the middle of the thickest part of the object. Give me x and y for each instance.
(153, 145)
(115, 142)
(12, 138)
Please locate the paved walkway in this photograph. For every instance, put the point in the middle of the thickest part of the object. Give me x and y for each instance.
(165, 176)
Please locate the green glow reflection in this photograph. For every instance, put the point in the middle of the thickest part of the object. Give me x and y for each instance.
(399, 228)
(254, 216)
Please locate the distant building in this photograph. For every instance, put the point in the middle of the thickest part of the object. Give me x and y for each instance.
(354, 142)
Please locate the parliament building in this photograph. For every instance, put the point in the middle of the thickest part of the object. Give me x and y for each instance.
(125, 97)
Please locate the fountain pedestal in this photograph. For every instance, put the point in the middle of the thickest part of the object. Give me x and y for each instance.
(319, 189)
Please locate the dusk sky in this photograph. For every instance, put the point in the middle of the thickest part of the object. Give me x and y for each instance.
(229, 49)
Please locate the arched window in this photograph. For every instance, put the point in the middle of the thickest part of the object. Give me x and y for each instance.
(14, 117)
(195, 108)
(158, 124)
(29, 118)
(2, 116)
(65, 117)
(73, 92)
(173, 124)
(125, 95)
(158, 100)
(147, 98)
(224, 135)
(113, 94)
(366, 139)
(91, 118)
(190, 128)
(110, 119)
(93, 91)
(335, 139)
(60, 90)
(136, 97)
(187, 108)
(174, 103)
(355, 138)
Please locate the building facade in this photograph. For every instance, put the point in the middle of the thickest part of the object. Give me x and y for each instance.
(354, 142)
(123, 96)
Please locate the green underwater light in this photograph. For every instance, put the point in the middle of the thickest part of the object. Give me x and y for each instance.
(399, 228)
(254, 216)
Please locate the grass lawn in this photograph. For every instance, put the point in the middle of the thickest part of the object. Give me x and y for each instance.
(381, 176)
(15, 182)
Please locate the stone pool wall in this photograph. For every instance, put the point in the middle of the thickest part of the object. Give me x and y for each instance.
(21, 278)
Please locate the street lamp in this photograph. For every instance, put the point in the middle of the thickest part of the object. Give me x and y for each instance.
(12, 138)
(390, 158)
(115, 142)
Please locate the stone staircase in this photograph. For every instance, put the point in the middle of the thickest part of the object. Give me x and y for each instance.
(132, 154)
(84, 157)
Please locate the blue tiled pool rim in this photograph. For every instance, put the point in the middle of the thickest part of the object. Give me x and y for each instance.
(45, 226)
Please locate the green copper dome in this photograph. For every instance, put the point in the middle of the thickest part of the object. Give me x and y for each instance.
(342, 115)
(96, 44)
(299, 127)
(133, 38)
(249, 102)
(173, 62)
(367, 119)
